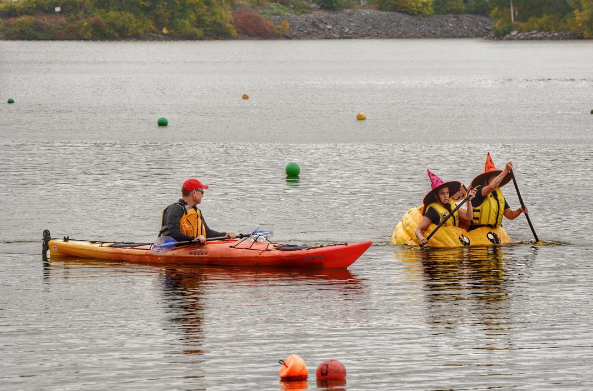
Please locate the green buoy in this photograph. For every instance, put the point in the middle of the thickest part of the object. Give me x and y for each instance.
(591, 111)
(10, 100)
(163, 121)
(292, 171)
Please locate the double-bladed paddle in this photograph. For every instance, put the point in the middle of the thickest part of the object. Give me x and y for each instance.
(164, 244)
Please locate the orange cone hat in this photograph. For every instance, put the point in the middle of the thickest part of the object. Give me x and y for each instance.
(489, 170)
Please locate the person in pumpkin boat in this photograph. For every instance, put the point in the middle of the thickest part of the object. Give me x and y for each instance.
(438, 204)
(489, 204)
(183, 221)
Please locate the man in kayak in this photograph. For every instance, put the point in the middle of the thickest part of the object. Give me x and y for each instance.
(438, 205)
(183, 221)
(489, 203)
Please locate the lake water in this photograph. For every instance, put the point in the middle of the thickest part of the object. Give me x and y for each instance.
(81, 155)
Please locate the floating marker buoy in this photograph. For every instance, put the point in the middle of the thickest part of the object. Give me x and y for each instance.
(331, 370)
(361, 116)
(293, 368)
(591, 110)
(163, 121)
(292, 171)
(245, 96)
(10, 100)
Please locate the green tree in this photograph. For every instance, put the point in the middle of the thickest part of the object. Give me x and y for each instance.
(582, 22)
(477, 6)
(447, 6)
(413, 7)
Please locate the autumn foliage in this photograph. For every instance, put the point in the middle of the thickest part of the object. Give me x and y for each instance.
(254, 24)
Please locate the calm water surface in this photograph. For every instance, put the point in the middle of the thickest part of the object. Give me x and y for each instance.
(81, 155)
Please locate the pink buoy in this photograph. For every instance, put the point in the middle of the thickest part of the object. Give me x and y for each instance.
(331, 369)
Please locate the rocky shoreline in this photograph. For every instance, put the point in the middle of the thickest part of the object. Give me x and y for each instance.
(373, 24)
(539, 36)
(363, 23)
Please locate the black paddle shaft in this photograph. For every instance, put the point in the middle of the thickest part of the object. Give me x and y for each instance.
(523, 206)
(445, 219)
(188, 242)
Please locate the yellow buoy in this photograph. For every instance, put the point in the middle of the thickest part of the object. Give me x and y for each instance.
(165, 31)
(361, 116)
(245, 96)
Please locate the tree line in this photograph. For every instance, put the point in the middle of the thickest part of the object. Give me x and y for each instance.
(203, 19)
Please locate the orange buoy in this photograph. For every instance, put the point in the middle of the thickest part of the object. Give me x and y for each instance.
(245, 96)
(331, 369)
(361, 116)
(293, 368)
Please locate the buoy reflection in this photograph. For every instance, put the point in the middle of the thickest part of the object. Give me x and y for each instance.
(293, 385)
(331, 384)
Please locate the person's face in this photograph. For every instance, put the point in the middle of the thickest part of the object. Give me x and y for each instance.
(198, 194)
(443, 195)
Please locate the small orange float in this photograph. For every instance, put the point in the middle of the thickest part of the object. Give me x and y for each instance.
(293, 368)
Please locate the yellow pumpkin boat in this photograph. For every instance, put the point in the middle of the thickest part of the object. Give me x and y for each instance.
(446, 236)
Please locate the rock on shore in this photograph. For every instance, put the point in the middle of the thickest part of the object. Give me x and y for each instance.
(363, 23)
(539, 35)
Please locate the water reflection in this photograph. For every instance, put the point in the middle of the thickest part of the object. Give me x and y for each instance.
(462, 286)
(322, 385)
(184, 295)
(254, 275)
(331, 384)
(294, 385)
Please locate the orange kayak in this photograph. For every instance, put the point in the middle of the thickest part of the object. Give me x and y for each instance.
(229, 252)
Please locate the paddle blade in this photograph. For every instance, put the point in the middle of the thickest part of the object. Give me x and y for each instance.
(263, 233)
(162, 245)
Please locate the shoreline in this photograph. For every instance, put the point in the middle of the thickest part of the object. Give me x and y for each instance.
(365, 23)
(373, 24)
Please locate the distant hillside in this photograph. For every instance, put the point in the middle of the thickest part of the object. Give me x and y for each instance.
(295, 19)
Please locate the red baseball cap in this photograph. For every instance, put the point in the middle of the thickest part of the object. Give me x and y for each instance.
(193, 184)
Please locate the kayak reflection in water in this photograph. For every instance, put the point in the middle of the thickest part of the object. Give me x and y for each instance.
(183, 221)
